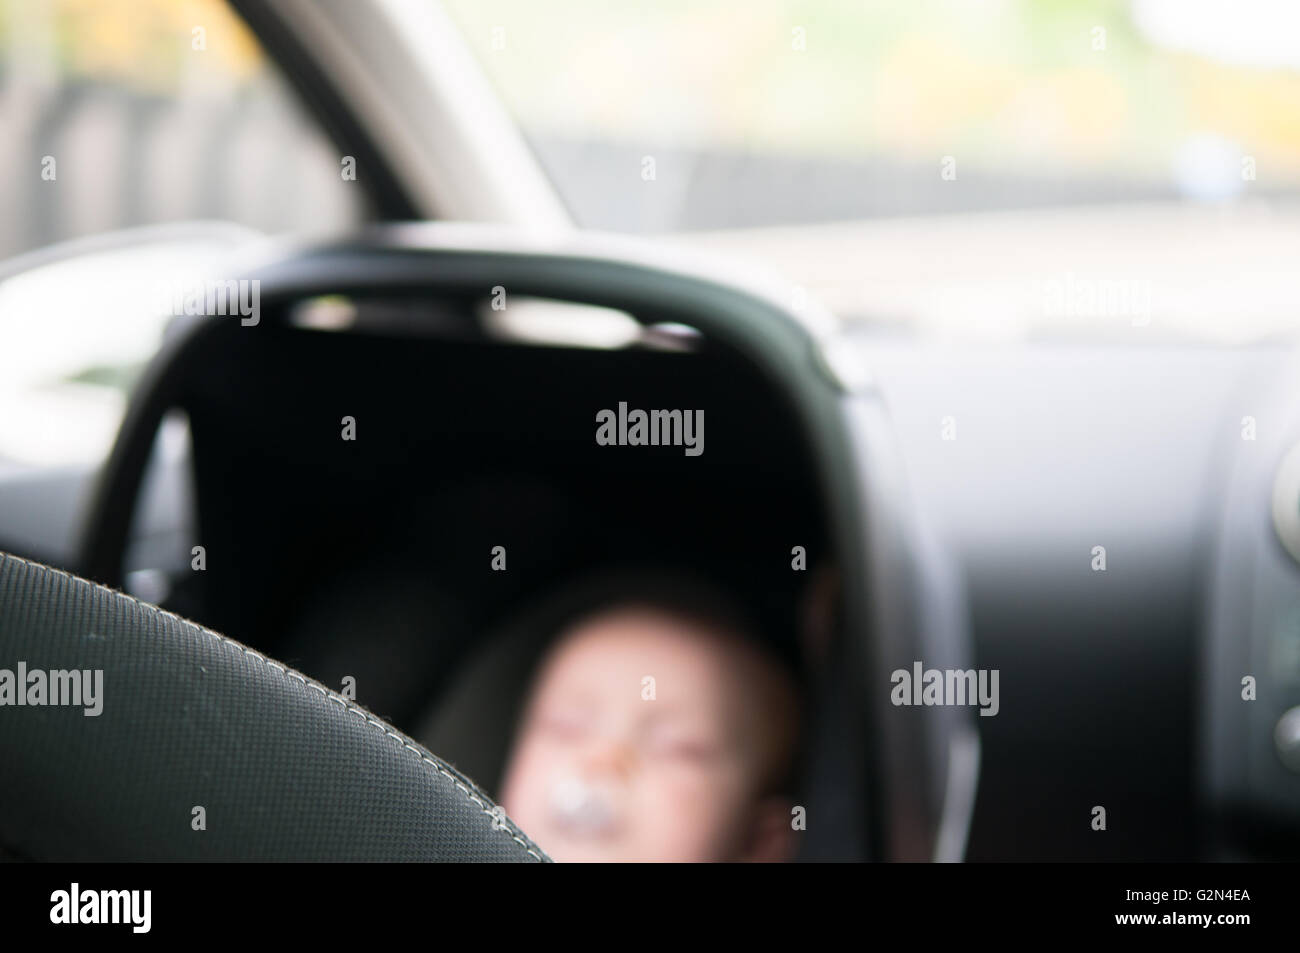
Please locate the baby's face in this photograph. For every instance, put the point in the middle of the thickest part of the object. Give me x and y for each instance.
(611, 766)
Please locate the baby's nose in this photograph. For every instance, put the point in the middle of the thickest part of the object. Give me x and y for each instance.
(613, 756)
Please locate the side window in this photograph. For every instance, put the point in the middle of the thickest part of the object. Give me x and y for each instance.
(119, 113)
(143, 141)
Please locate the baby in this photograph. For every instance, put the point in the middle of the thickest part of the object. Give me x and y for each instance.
(656, 733)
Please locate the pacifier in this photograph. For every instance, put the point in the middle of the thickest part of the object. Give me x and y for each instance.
(584, 806)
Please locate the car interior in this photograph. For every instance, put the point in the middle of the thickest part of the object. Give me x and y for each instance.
(328, 545)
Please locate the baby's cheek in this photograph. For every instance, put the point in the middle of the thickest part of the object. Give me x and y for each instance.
(523, 794)
(690, 815)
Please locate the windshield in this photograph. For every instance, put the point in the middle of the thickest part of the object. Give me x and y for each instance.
(1062, 166)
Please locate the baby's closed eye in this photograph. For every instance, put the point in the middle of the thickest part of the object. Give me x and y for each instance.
(563, 723)
(681, 742)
